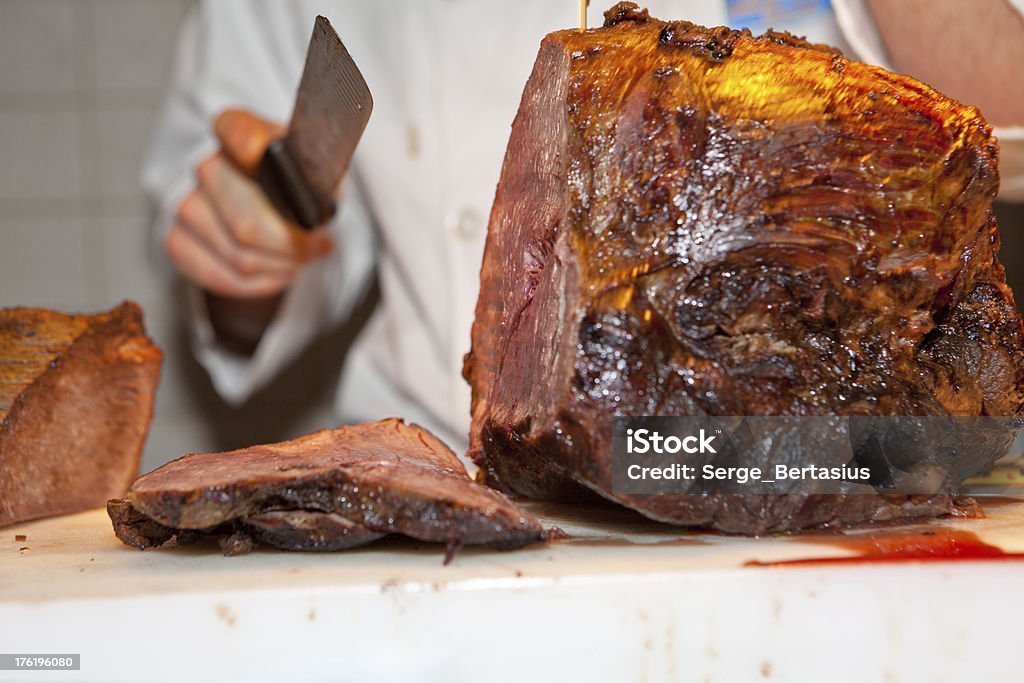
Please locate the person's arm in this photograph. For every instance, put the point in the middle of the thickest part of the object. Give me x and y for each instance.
(214, 225)
(972, 51)
(227, 239)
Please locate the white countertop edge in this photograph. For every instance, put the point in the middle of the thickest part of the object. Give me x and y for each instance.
(906, 622)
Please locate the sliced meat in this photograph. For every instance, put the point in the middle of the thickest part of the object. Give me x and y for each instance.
(387, 477)
(697, 221)
(76, 400)
(305, 530)
(136, 529)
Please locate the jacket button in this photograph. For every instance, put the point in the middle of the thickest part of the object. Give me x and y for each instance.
(468, 224)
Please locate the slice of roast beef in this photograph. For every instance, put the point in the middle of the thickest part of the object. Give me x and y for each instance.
(386, 477)
(696, 221)
(136, 529)
(76, 400)
(306, 530)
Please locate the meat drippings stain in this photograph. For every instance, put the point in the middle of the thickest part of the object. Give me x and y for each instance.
(225, 614)
(621, 542)
(932, 545)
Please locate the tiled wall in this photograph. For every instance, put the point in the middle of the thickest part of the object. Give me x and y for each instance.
(77, 96)
(80, 84)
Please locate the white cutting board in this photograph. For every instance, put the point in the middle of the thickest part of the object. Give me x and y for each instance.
(630, 604)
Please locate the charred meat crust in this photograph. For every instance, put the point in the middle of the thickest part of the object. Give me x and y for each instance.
(625, 11)
(302, 530)
(134, 528)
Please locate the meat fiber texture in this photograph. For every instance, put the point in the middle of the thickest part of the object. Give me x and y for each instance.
(328, 490)
(305, 530)
(76, 401)
(696, 221)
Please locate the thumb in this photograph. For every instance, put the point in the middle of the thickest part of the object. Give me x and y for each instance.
(244, 137)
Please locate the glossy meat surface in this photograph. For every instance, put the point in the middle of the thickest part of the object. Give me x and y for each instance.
(696, 221)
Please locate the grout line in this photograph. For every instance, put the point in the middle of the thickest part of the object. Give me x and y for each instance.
(120, 206)
(87, 122)
(94, 246)
(108, 98)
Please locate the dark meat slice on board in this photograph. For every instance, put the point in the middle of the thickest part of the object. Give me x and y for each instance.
(386, 477)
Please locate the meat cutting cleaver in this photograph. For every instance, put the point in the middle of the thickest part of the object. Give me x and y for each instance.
(300, 172)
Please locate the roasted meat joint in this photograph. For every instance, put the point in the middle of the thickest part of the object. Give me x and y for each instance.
(696, 221)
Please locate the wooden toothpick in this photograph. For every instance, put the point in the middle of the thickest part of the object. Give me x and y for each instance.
(583, 15)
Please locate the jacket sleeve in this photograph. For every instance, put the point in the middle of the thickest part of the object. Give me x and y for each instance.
(854, 19)
(240, 53)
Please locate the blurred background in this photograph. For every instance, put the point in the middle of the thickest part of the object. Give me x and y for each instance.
(80, 86)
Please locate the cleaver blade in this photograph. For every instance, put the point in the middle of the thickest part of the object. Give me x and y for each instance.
(301, 171)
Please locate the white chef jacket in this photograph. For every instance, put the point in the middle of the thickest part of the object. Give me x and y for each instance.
(446, 77)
